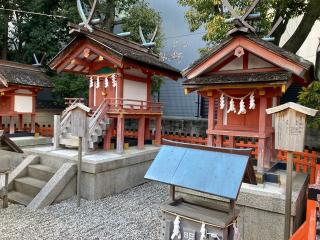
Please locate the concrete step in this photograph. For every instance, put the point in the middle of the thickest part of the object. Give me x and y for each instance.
(71, 142)
(28, 185)
(19, 198)
(41, 172)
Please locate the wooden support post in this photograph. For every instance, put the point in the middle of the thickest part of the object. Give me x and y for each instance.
(120, 134)
(158, 131)
(0, 122)
(56, 131)
(232, 141)
(20, 122)
(172, 192)
(5, 193)
(262, 143)
(141, 132)
(211, 121)
(108, 136)
(219, 138)
(79, 172)
(33, 123)
(287, 223)
(12, 130)
(147, 129)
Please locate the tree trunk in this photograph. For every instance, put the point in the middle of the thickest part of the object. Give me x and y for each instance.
(110, 14)
(5, 37)
(297, 39)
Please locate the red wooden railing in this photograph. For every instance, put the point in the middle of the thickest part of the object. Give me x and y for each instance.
(116, 105)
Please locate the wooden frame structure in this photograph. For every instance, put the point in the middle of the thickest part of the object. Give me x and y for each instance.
(19, 86)
(241, 78)
(120, 75)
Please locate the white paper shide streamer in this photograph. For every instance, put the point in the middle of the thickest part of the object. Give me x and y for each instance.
(98, 82)
(203, 232)
(232, 107)
(252, 104)
(114, 80)
(106, 83)
(222, 102)
(242, 109)
(237, 235)
(91, 82)
(176, 234)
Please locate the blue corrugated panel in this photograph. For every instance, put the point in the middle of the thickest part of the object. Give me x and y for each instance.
(210, 172)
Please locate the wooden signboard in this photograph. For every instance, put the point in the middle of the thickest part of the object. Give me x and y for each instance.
(290, 126)
(79, 114)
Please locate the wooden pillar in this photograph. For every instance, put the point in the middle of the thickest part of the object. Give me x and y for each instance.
(108, 136)
(20, 122)
(158, 131)
(33, 123)
(120, 82)
(211, 121)
(56, 131)
(219, 138)
(141, 132)
(12, 130)
(120, 134)
(232, 141)
(262, 143)
(0, 122)
(147, 129)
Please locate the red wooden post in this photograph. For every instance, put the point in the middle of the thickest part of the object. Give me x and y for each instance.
(108, 136)
(147, 128)
(232, 141)
(141, 133)
(20, 122)
(11, 124)
(0, 122)
(33, 123)
(219, 138)
(120, 83)
(120, 134)
(210, 121)
(262, 151)
(158, 131)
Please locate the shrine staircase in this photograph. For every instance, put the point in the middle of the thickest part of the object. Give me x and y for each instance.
(97, 125)
(37, 183)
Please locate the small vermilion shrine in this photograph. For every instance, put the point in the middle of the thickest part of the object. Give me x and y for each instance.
(19, 85)
(241, 78)
(119, 75)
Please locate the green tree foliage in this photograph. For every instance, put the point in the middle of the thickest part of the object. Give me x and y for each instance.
(310, 97)
(210, 15)
(43, 35)
(142, 15)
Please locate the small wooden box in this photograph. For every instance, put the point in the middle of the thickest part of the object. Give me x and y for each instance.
(78, 122)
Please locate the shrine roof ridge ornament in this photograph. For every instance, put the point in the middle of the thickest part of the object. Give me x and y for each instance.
(294, 106)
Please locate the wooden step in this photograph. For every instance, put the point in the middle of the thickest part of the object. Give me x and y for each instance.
(29, 185)
(41, 172)
(19, 198)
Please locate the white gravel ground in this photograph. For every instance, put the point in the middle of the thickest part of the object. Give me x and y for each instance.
(133, 214)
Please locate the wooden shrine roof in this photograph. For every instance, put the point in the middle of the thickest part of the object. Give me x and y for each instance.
(126, 51)
(22, 74)
(307, 65)
(255, 77)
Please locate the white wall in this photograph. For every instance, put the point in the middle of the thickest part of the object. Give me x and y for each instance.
(23, 104)
(135, 90)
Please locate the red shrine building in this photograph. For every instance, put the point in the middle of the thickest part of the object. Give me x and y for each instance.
(19, 85)
(241, 78)
(119, 75)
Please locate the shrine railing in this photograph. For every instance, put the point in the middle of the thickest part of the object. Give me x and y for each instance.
(130, 105)
(70, 101)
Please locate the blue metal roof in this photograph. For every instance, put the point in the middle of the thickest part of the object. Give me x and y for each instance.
(216, 173)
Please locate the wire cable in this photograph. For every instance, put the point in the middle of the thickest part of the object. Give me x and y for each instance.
(34, 13)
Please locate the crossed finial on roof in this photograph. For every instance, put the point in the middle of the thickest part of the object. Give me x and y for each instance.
(151, 43)
(87, 20)
(241, 22)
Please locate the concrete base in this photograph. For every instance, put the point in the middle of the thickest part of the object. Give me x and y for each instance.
(31, 141)
(262, 207)
(103, 173)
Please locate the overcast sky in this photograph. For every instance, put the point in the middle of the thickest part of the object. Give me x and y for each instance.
(175, 28)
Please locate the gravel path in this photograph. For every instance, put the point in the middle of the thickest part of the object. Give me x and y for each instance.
(133, 214)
